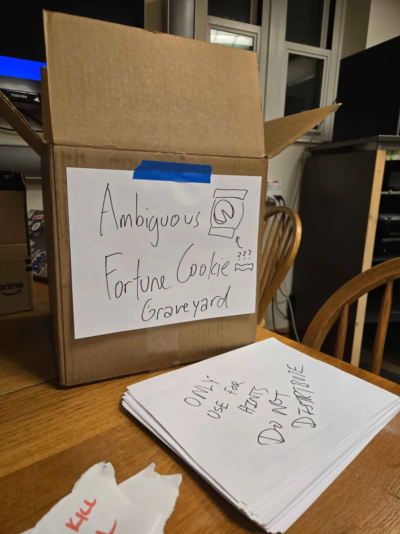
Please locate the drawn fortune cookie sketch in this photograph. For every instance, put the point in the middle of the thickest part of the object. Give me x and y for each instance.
(227, 212)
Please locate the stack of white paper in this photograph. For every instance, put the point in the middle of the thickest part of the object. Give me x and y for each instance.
(267, 426)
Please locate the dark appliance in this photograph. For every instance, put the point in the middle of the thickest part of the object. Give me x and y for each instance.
(369, 90)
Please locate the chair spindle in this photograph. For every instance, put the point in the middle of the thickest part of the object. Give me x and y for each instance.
(381, 330)
(276, 229)
(278, 250)
(341, 333)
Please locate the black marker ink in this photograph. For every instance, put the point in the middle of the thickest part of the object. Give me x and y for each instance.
(110, 272)
(271, 435)
(102, 209)
(303, 421)
(194, 402)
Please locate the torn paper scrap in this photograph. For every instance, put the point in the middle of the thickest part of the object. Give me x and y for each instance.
(150, 490)
(97, 505)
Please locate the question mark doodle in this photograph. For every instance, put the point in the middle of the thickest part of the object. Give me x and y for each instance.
(242, 255)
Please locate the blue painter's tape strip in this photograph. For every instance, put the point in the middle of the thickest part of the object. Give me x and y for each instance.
(173, 172)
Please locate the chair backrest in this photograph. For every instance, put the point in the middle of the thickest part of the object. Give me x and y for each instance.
(281, 241)
(338, 306)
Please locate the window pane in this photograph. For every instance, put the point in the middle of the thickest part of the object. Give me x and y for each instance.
(230, 9)
(235, 40)
(304, 21)
(303, 85)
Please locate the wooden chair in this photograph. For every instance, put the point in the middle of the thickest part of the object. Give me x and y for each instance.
(337, 307)
(281, 241)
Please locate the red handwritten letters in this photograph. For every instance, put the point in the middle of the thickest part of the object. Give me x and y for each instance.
(111, 531)
(82, 516)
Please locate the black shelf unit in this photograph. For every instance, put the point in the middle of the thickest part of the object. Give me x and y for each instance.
(344, 189)
(388, 238)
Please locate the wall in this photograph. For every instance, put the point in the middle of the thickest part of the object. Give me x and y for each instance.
(356, 26)
(34, 198)
(368, 23)
(384, 21)
(153, 15)
(286, 167)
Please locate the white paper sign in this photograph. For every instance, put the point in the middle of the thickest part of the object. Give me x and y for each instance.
(150, 253)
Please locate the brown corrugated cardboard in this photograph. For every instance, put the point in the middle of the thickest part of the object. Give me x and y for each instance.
(113, 86)
(191, 341)
(12, 218)
(281, 133)
(116, 96)
(16, 288)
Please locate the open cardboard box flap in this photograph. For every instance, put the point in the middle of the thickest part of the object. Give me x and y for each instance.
(113, 86)
(112, 96)
(103, 93)
(278, 133)
(281, 133)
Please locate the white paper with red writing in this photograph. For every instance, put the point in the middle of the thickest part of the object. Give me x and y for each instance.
(97, 505)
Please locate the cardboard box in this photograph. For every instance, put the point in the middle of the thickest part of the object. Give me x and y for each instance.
(16, 287)
(113, 96)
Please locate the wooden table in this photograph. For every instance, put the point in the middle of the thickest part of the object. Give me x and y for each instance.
(49, 436)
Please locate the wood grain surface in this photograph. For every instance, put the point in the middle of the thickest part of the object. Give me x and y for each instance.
(26, 347)
(49, 436)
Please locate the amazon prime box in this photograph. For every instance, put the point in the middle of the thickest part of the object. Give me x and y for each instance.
(16, 286)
